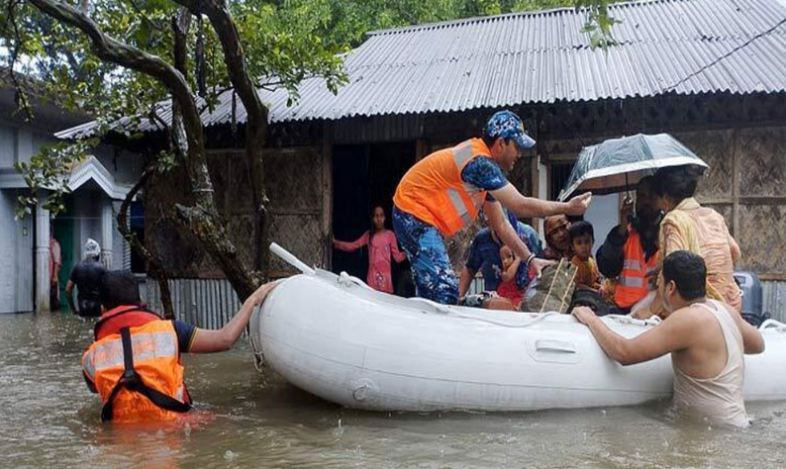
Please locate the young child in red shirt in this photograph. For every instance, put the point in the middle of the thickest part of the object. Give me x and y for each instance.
(508, 287)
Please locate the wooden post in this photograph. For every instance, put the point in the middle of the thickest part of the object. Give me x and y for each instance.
(421, 149)
(736, 167)
(327, 193)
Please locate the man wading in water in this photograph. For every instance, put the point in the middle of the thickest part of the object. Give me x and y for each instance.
(443, 193)
(706, 339)
(134, 363)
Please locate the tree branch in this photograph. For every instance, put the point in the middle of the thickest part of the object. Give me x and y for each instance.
(21, 96)
(256, 124)
(111, 50)
(155, 267)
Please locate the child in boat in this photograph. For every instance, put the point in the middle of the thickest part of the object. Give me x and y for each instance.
(381, 244)
(582, 237)
(508, 288)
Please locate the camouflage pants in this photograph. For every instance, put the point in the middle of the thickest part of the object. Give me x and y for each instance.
(425, 248)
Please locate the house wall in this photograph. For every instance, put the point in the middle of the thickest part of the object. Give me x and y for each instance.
(16, 268)
(296, 181)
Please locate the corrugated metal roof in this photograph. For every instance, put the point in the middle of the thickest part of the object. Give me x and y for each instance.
(542, 57)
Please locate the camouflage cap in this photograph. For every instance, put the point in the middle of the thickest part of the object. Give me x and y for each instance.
(506, 124)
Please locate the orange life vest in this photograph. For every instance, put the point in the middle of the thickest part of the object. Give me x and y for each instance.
(137, 373)
(123, 316)
(433, 191)
(631, 285)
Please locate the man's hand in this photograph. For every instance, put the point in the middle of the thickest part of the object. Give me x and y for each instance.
(583, 314)
(642, 313)
(626, 211)
(537, 265)
(579, 204)
(258, 297)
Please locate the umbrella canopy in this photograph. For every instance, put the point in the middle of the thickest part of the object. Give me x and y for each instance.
(618, 164)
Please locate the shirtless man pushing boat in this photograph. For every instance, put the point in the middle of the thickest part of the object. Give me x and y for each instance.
(705, 337)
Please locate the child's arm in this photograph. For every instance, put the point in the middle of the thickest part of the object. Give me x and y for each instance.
(394, 250)
(510, 273)
(353, 246)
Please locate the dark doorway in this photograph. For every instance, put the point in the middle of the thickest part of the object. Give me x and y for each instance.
(137, 226)
(63, 232)
(364, 176)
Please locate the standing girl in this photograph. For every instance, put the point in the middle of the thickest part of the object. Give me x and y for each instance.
(381, 245)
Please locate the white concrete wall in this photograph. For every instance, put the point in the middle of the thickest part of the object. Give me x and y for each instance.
(7, 146)
(16, 264)
(603, 213)
(126, 167)
(87, 211)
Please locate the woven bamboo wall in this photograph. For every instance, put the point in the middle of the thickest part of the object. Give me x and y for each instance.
(296, 198)
(295, 189)
(762, 209)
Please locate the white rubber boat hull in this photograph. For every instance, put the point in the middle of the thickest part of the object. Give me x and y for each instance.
(363, 349)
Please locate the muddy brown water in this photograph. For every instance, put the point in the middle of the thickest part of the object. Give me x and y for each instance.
(247, 419)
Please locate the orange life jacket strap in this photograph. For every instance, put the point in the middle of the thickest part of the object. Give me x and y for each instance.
(132, 381)
(131, 309)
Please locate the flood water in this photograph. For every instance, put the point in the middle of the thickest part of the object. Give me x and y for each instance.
(248, 419)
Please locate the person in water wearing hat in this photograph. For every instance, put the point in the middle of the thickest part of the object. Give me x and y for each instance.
(86, 276)
(443, 193)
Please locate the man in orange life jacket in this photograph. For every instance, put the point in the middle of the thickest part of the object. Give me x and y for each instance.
(630, 252)
(134, 363)
(443, 193)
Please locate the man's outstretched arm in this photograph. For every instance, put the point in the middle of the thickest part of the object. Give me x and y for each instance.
(671, 335)
(209, 340)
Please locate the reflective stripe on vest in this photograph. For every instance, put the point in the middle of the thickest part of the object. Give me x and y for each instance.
(633, 282)
(147, 346)
(632, 264)
(433, 191)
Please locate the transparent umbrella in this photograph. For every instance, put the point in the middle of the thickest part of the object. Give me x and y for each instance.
(618, 164)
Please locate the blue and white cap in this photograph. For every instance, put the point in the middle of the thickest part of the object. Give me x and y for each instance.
(506, 124)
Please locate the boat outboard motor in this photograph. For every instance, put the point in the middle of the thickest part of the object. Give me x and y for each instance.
(751, 298)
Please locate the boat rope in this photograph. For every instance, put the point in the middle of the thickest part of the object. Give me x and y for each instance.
(349, 280)
(623, 319)
(536, 318)
(259, 357)
(773, 324)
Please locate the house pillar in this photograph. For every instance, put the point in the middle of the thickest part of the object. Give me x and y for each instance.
(107, 232)
(42, 274)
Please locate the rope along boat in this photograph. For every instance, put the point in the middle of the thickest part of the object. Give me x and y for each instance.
(336, 338)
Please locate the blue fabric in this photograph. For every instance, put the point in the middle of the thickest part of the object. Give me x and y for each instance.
(484, 256)
(484, 173)
(185, 333)
(507, 125)
(425, 248)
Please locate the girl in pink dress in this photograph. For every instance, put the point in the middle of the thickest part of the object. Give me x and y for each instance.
(381, 245)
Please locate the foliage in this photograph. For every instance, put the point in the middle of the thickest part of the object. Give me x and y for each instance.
(345, 23)
(281, 49)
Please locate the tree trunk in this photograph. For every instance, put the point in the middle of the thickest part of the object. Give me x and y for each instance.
(256, 124)
(202, 219)
(154, 266)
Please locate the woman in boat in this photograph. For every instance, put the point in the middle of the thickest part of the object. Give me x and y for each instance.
(382, 244)
(701, 230)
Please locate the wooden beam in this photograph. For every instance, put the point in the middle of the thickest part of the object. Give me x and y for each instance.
(762, 200)
(421, 149)
(327, 194)
(736, 168)
(778, 277)
(710, 201)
